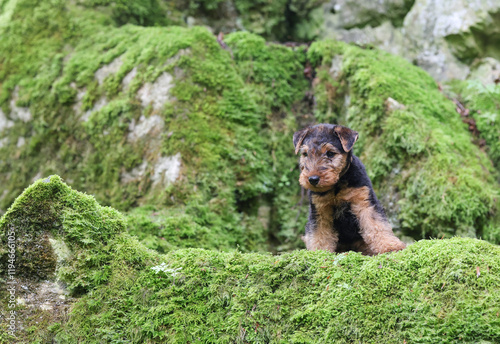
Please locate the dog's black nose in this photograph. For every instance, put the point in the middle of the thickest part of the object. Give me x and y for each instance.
(314, 180)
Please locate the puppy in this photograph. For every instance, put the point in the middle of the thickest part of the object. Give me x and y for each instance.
(344, 213)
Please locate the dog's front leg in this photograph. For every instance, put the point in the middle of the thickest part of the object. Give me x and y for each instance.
(321, 236)
(376, 230)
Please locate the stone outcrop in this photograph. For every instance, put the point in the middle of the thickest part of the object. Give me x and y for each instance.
(442, 37)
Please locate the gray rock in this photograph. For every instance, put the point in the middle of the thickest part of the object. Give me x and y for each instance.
(167, 169)
(336, 68)
(442, 37)
(151, 127)
(136, 174)
(346, 14)
(106, 70)
(157, 93)
(80, 93)
(4, 141)
(21, 141)
(393, 105)
(5, 123)
(19, 113)
(384, 36)
(61, 250)
(448, 35)
(128, 78)
(486, 70)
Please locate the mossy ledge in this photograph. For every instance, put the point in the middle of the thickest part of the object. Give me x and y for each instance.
(439, 291)
(213, 167)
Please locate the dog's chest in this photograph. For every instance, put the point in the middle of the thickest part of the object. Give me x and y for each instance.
(345, 223)
(335, 213)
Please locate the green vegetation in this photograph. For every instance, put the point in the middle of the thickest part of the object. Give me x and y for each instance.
(435, 289)
(416, 150)
(283, 20)
(233, 161)
(77, 85)
(484, 105)
(229, 114)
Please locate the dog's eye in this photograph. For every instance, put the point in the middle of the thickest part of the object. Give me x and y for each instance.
(304, 154)
(330, 154)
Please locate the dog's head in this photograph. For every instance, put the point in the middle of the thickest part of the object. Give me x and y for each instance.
(324, 154)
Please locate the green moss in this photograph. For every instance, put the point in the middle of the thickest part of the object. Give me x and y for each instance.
(226, 117)
(429, 292)
(435, 290)
(48, 210)
(484, 105)
(419, 153)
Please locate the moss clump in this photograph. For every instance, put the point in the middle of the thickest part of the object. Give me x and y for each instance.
(59, 234)
(427, 293)
(416, 149)
(49, 209)
(435, 289)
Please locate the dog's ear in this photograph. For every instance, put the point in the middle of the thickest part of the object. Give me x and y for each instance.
(348, 137)
(299, 136)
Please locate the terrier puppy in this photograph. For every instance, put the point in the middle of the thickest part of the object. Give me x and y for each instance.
(344, 212)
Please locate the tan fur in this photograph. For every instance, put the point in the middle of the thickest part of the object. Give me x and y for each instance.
(327, 169)
(376, 232)
(347, 137)
(323, 237)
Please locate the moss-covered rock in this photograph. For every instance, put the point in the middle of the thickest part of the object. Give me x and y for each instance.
(193, 131)
(54, 234)
(433, 291)
(158, 116)
(60, 232)
(432, 178)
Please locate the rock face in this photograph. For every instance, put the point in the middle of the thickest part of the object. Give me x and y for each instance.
(486, 71)
(442, 37)
(347, 14)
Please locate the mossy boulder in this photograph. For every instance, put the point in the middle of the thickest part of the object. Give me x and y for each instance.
(433, 291)
(61, 232)
(192, 133)
(161, 117)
